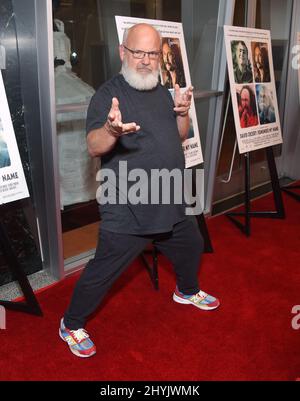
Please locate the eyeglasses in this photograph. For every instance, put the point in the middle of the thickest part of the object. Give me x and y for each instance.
(140, 54)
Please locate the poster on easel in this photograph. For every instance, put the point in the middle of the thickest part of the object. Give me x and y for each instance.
(12, 179)
(174, 69)
(252, 85)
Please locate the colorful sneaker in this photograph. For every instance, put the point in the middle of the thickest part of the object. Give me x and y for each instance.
(78, 340)
(200, 300)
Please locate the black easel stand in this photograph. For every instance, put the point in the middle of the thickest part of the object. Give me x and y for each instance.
(201, 221)
(153, 268)
(278, 214)
(204, 231)
(31, 305)
(288, 190)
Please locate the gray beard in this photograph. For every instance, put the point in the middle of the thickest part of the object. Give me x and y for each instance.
(138, 81)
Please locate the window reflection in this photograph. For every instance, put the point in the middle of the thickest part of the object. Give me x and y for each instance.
(77, 176)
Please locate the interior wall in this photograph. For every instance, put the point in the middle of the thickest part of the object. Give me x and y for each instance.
(289, 163)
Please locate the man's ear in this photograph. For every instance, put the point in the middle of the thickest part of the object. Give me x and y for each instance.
(121, 52)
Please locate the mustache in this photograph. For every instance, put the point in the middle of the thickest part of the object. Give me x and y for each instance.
(144, 68)
(141, 78)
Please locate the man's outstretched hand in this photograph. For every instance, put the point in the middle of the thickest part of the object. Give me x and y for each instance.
(114, 123)
(182, 101)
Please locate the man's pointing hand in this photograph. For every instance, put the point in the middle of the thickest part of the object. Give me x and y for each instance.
(114, 123)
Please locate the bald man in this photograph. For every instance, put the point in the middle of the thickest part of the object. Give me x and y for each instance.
(133, 124)
(247, 108)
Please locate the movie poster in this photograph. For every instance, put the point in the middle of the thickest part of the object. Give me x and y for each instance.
(12, 180)
(252, 85)
(174, 69)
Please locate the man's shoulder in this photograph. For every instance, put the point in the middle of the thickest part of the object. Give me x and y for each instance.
(110, 85)
(164, 89)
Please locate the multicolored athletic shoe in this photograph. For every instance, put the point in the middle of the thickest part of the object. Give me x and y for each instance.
(201, 300)
(78, 340)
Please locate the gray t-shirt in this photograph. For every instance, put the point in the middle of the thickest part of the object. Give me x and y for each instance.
(156, 146)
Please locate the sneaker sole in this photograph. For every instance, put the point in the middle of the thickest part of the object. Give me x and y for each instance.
(183, 301)
(74, 351)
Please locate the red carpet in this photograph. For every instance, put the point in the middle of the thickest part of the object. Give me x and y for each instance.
(142, 334)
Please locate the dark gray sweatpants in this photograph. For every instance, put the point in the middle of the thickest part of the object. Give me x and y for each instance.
(183, 246)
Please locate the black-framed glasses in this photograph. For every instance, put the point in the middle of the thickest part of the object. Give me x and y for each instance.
(140, 54)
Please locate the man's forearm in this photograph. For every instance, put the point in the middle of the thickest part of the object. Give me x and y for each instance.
(183, 125)
(100, 141)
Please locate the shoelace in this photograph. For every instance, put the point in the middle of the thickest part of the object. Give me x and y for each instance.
(80, 334)
(200, 296)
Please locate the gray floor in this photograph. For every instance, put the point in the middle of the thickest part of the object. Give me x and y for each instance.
(37, 280)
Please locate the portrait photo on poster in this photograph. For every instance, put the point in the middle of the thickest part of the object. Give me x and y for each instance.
(242, 68)
(260, 60)
(4, 154)
(171, 64)
(247, 105)
(265, 103)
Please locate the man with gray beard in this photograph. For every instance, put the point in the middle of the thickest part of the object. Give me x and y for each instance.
(133, 118)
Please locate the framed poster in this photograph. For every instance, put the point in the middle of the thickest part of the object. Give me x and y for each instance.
(12, 180)
(174, 69)
(252, 85)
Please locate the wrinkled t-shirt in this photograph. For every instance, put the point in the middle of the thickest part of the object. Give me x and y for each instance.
(156, 146)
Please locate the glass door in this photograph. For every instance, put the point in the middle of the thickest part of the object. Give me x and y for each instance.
(78, 49)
